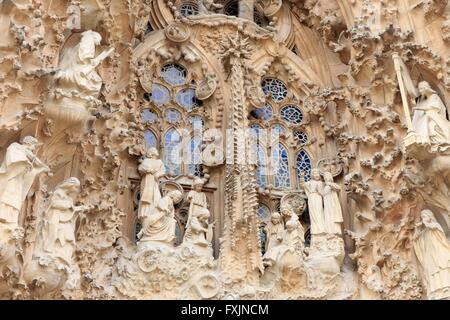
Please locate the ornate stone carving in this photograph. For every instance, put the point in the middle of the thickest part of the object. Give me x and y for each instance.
(177, 32)
(206, 88)
(213, 154)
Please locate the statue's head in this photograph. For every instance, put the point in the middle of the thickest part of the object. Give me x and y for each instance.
(427, 216)
(176, 196)
(30, 142)
(315, 174)
(152, 153)
(91, 35)
(425, 88)
(276, 217)
(71, 186)
(197, 184)
(327, 176)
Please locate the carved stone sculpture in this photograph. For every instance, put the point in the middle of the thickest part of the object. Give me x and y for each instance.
(151, 169)
(274, 234)
(159, 226)
(77, 81)
(432, 250)
(314, 191)
(213, 154)
(17, 173)
(332, 206)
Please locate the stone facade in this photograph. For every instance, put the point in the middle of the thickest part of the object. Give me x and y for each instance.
(198, 149)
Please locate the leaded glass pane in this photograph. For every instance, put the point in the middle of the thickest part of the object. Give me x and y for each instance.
(172, 152)
(265, 113)
(160, 94)
(303, 165)
(301, 136)
(292, 114)
(188, 9)
(186, 98)
(275, 89)
(261, 162)
(277, 131)
(263, 212)
(195, 157)
(173, 116)
(149, 116)
(174, 74)
(281, 167)
(150, 139)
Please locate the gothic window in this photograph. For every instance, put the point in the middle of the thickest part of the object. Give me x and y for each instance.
(292, 114)
(275, 89)
(188, 9)
(174, 74)
(150, 139)
(160, 95)
(173, 116)
(280, 163)
(195, 157)
(149, 116)
(301, 137)
(186, 98)
(265, 113)
(172, 152)
(277, 130)
(197, 123)
(303, 166)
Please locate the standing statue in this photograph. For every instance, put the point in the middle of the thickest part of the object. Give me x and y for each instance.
(274, 233)
(152, 170)
(429, 119)
(433, 253)
(332, 206)
(17, 173)
(57, 233)
(160, 225)
(314, 191)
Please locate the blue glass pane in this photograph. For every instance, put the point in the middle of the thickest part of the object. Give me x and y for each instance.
(160, 94)
(303, 165)
(150, 139)
(261, 176)
(195, 157)
(280, 160)
(263, 212)
(277, 131)
(186, 98)
(275, 88)
(292, 114)
(173, 116)
(301, 136)
(174, 74)
(149, 116)
(265, 113)
(197, 123)
(172, 152)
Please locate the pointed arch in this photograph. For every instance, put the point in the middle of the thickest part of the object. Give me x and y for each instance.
(303, 166)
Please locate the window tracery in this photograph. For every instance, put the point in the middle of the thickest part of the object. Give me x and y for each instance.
(274, 89)
(188, 9)
(303, 166)
(292, 114)
(174, 74)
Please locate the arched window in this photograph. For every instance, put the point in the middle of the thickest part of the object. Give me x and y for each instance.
(173, 116)
(150, 140)
(301, 137)
(292, 114)
(275, 89)
(174, 74)
(186, 98)
(280, 163)
(172, 152)
(149, 116)
(160, 95)
(265, 113)
(189, 9)
(303, 166)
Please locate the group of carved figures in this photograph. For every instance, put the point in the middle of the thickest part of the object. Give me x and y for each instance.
(157, 213)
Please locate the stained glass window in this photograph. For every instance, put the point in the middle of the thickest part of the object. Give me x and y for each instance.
(188, 9)
(277, 131)
(292, 114)
(195, 157)
(263, 212)
(301, 136)
(275, 88)
(280, 162)
(186, 98)
(174, 74)
(172, 152)
(197, 123)
(265, 113)
(160, 95)
(173, 116)
(303, 165)
(261, 176)
(150, 139)
(148, 116)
